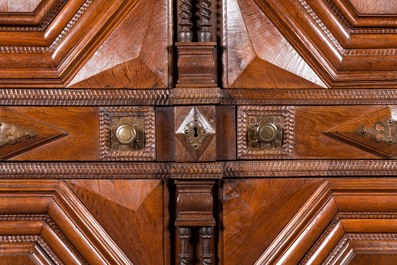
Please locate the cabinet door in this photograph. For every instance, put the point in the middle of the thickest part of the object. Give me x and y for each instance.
(72, 73)
(314, 84)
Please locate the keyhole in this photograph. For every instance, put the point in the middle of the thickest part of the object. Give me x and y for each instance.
(195, 132)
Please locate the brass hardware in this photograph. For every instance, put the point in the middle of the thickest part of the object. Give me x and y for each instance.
(265, 132)
(127, 133)
(11, 134)
(382, 131)
(195, 129)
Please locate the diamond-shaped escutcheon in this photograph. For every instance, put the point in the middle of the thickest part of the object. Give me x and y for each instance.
(195, 133)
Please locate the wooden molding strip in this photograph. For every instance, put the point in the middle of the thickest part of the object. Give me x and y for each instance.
(309, 96)
(214, 170)
(129, 97)
(84, 97)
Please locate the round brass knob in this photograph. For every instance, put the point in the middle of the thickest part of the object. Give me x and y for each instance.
(267, 132)
(125, 134)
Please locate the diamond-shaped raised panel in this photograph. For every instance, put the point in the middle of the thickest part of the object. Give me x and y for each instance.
(375, 132)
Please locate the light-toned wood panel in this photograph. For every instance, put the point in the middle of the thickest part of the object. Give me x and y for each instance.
(378, 7)
(19, 6)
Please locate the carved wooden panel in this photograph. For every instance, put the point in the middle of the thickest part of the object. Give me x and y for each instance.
(308, 221)
(63, 133)
(82, 43)
(307, 43)
(78, 222)
(258, 55)
(336, 132)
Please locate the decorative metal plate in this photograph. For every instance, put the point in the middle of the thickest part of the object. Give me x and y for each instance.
(141, 119)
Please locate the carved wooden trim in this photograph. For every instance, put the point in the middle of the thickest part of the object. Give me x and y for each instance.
(309, 96)
(55, 43)
(248, 113)
(344, 247)
(305, 168)
(145, 113)
(331, 216)
(45, 12)
(129, 97)
(89, 170)
(84, 97)
(196, 171)
(191, 96)
(214, 170)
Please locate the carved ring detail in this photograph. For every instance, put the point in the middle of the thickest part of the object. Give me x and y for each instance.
(382, 131)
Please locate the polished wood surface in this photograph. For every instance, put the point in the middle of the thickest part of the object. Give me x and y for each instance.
(198, 132)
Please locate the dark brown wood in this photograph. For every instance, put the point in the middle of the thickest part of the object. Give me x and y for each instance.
(165, 124)
(226, 133)
(198, 132)
(197, 64)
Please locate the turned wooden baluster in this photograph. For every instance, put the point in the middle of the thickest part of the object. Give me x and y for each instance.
(186, 24)
(204, 34)
(206, 234)
(184, 256)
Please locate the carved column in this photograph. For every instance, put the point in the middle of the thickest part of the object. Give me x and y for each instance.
(184, 236)
(204, 34)
(197, 59)
(194, 208)
(185, 25)
(206, 235)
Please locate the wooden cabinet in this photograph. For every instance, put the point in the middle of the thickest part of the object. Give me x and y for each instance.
(198, 132)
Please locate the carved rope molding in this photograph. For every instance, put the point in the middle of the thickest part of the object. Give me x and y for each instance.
(215, 170)
(83, 97)
(129, 97)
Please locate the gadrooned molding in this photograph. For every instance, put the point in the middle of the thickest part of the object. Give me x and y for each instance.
(213, 170)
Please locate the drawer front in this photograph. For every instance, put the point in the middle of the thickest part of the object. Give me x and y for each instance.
(316, 132)
(77, 133)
